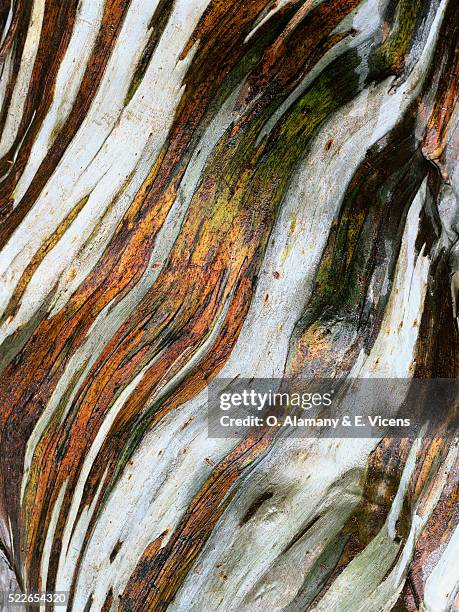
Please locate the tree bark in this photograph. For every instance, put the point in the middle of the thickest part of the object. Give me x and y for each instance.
(197, 190)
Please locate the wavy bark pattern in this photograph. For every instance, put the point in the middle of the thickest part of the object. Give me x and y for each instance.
(193, 188)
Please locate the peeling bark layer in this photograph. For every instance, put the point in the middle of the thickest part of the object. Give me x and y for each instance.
(197, 188)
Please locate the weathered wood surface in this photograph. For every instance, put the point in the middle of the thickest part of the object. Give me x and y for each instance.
(193, 188)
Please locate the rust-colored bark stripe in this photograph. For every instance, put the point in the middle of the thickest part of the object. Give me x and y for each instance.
(19, 22)
(4, 12)
(112, 21)
(159, 573)
(438, 530)
(17, 32)
(36, 260)
(132, 422)
(445, 75)
(301, 44)
(55, 34)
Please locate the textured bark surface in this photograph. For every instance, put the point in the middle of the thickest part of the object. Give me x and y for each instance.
(199, 188)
